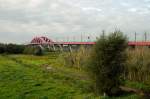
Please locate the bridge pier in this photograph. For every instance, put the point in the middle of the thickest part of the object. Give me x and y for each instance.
(70, 48)
(61, 47)
(54, 47)
(41, 47)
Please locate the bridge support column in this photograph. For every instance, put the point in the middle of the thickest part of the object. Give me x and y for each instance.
(48, 46)
(41, 47)
(61, 47)
(70, 48)
(54, 47)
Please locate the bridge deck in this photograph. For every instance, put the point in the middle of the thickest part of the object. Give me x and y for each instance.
(46, 41)
(92, 43)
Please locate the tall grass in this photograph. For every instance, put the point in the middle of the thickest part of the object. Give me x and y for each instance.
(77, 58)
(138, 64)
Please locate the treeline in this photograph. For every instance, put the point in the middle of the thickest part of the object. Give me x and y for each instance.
(20, 49)
(11, 48)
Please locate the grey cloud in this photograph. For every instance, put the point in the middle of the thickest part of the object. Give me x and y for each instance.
(28, 18)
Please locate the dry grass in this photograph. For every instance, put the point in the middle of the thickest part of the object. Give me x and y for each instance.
(138, 64)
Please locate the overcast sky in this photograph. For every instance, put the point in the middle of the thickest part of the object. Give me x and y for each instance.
(21, 20)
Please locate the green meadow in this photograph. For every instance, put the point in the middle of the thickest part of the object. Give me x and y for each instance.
(44, 77)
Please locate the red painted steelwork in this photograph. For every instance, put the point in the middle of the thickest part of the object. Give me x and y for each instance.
(139, 43)
(78, 43)
(45, 40)
(41, 40)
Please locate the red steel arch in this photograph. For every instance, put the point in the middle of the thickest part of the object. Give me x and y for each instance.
(41, 40)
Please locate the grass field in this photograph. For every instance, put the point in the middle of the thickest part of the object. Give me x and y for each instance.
(43, 77)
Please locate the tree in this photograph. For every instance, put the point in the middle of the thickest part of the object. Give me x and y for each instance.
(107, 62)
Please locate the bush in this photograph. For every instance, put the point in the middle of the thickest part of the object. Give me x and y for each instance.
(107, 63)
(34, 50)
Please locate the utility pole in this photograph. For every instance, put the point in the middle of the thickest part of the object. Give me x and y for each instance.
(81, 37)
(74, 39)
(145, 35)
(135, 36)
(103, 33)
(88, 38)
(67, 38)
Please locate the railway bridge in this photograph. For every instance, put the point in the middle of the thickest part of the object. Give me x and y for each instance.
(64, 46)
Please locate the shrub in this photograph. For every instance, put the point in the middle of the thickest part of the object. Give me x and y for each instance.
(107, 63)
(34, 50)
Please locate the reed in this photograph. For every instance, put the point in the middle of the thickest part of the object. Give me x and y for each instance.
(138, 64)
